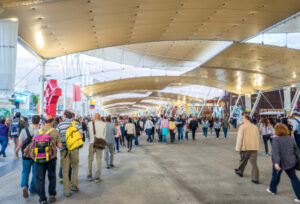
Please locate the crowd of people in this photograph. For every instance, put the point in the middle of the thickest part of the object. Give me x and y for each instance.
(39, 139)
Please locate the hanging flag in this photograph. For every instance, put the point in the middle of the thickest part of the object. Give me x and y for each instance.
(76, 93)
(92, 104)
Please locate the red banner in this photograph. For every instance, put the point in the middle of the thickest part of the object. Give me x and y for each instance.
(52, 93)
(76, 93)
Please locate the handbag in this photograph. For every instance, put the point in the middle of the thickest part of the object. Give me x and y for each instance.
(297, 151)
(99, 143)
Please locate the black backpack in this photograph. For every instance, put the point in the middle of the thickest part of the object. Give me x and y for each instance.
(26, 142)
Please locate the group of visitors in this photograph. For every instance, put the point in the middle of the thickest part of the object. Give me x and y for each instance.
(109, 134)
(285, 153)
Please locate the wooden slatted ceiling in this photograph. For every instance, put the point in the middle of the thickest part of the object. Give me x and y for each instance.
(69, 26)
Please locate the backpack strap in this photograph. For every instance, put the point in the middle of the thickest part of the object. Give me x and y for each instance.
(27, 132)
(49, 131)
(94, 129)
(73, 123)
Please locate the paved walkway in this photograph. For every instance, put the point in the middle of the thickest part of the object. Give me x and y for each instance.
(198, 171)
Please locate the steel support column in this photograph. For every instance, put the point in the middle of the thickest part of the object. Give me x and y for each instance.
(295, 99)
(234, 107)
(43, 79)
(255, 104)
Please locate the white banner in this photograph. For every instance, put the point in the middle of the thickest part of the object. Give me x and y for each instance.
(8, 55)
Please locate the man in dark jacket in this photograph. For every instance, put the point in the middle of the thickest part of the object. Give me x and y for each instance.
(193, 126)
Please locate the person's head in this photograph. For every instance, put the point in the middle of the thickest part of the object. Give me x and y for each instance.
(96, 116)
(67, 115)
(265, 121)
(281, 130)
(49, 120)
(245, 118)
(172, 119)
(130, 120)
(18, 115)
(116, 123)
(165, 117)
(2, 121)
(161, 116)
(294, 115)
(108, 119)
(35, 119)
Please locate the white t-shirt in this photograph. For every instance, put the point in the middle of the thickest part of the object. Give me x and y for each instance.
(295, 124)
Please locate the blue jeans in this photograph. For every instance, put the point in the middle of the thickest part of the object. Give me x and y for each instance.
(293, 177)
(225, 132)
(148, 132)
(136, 142)
(211, 128)
(117, 139)
(186, 135)
(27, 166)
(165, 138)
(3, 142)
(180, 133)
(204, 132)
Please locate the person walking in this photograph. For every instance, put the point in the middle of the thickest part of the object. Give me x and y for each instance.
(50, 166)
(267, 132)
(164, 129)
(172, 127)
(225, 125)
(158, 128)
(186, 128)
(4, 129)
(28, 165)
(247, 145)
(16, 126)
(205, 127)
(295, 123)
(69, 158)
(217, 126)
(97, 129)
(193, 126)
(284, 152)
(180, 123)
(211, 125)
(130, 133)
(111, 131)
(148, 129)
(117, 136)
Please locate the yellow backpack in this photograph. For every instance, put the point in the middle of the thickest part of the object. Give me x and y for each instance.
(73, 137)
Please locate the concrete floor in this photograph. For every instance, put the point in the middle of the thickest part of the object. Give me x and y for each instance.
(198, 171)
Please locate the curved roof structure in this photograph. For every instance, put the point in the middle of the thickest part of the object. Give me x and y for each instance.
(59, 27)
(197, 41)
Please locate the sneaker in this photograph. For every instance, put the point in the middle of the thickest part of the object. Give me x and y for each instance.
(75, 189)
(266, 155)
(25, 193)
(89, 178)
(67, 195)
(238, 173)
(97, 180)
(120, 151)
(107, 167)
(269, 191)
(61, 180)
(112, 166)
(255, 182)
(297, 200)
(52, 199)
(44, 202)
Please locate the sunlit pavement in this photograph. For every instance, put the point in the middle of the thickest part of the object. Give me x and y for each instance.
(200, 171)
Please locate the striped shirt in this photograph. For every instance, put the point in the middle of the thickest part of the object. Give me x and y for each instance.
(62, 129)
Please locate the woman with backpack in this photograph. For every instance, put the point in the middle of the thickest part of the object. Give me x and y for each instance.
(164, 129)
(266, 131)
(204, 127)
(217, 126)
